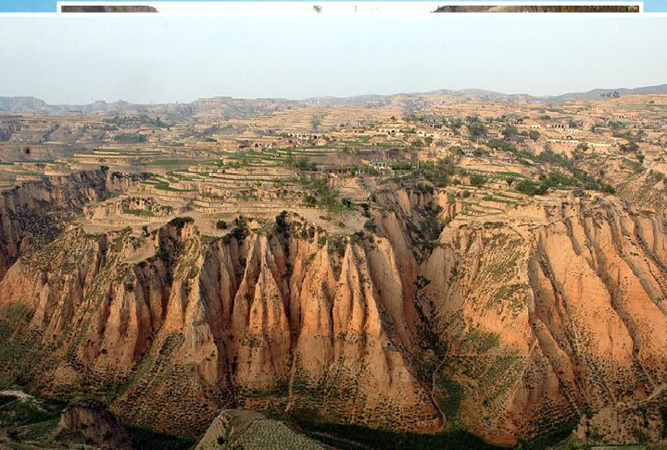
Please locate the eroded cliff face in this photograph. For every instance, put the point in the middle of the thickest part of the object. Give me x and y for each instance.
(510, 328)
(262, 319)
(32, 213)
(636, 421)
(538, 323)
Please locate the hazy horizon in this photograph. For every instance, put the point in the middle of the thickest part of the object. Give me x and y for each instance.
(331, 96)
(74, 61)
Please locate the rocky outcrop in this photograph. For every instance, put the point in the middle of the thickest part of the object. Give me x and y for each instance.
(537, 324)
(32, 214)
(626, 422)
(208, 323)
(509, 328)
(139, 206)
(90, 420)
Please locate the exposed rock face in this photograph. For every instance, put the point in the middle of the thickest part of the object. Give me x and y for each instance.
(232, 321)
(130, 204)
(627, 422)
(32, 213)
(546, 321)
(97, 426)
(508, 328)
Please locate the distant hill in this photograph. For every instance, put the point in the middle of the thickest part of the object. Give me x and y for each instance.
(216, 107)
(228, 107)
(598, 93)
(22, 104)
(405, 100)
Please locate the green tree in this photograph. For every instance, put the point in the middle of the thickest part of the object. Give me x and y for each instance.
(477, 180)
(477, 129)
(531, 187)
(510, 132)
(130, 138)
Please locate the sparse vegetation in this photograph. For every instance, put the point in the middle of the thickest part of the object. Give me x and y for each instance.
(319, 194)
(477, 180)
(531, 187)
(355, 437)
(130, 138)
(180, 222)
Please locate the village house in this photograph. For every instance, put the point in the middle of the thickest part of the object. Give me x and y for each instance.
(336, 170)
(380, 164)
(531, 125)
(569, 141)
(389, 131)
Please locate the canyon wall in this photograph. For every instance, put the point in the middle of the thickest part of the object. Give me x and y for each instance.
(263, 320)
(510, 328)
(32, 214)
(537, 324)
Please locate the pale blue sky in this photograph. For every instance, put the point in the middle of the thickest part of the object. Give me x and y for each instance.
(76, 60)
